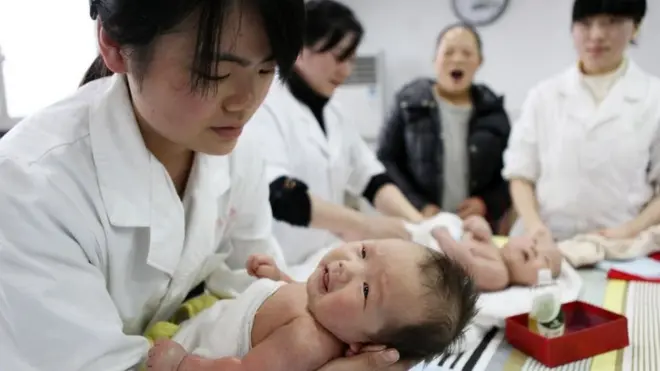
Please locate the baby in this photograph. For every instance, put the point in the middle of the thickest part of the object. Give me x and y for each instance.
(392, 293)
(494, 268)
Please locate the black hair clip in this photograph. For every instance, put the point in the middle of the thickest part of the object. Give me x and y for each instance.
(93, 8)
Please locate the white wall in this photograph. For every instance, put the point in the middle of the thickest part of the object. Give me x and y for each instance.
(529, 42)
(48, 46)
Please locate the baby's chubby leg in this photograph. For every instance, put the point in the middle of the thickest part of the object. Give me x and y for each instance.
(167, 355)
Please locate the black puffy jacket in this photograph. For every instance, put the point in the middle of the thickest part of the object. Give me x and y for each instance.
(411, 149)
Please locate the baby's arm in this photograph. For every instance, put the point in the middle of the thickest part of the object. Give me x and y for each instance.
(263, 266)
(487, 267)
(167, 355)
(300, 345)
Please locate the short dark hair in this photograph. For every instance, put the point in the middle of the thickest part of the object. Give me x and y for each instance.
(463, 25)
(634, 9)
(451, 307)
(330, 21)
(136, 24)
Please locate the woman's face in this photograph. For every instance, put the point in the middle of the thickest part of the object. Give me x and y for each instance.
(457, 60)
(325, 72)
(209, 123)
(601, 41)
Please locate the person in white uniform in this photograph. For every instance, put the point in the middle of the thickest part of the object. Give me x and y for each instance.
(584, 156)
(121, 198)
(314, 152)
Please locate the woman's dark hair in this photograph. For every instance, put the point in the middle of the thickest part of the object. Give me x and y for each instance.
(634, 9)
(466, 26)
(136, 24)
(329, 21)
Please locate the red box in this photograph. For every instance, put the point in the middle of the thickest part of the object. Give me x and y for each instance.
(589, 331)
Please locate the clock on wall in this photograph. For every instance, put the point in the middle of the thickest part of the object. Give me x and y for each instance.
(479, 12)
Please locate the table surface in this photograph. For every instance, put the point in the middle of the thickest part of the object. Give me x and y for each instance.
(638, 301)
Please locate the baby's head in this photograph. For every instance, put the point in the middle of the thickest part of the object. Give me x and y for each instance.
(525, 256)
(395, 293)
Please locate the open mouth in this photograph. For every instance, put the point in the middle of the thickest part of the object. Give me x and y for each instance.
(457, 74)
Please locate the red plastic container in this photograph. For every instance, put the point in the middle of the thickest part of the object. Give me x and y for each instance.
(590, 331)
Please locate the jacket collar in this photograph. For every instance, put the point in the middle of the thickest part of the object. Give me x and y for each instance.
(419, 94)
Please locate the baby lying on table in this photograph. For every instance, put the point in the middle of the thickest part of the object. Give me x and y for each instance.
(494, 268)
(388, 292)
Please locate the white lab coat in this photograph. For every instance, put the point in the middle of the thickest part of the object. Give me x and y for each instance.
(594, 166)
(95, 243)
(294, 145)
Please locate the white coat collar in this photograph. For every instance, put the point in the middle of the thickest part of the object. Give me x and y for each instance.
(329, 142)
(136, 189)
(624, 97)
(629, 84)
(122, 160)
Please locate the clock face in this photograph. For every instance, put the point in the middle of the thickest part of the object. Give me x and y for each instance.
(479, 12)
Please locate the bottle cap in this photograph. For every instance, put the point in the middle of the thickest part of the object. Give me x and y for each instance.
(544, 276)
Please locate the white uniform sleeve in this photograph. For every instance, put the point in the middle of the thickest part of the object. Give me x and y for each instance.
(364, 163)
(56, 311)
(251, 232)
(521, 158)
(654, 163)
(265, 130)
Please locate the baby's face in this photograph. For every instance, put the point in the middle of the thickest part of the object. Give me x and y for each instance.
(362, 287)
(525, 256)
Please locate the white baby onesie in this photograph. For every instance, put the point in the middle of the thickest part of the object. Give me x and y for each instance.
(225, 329)
(421, 233)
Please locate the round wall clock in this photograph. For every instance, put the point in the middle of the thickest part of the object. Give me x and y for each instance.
(479, 12)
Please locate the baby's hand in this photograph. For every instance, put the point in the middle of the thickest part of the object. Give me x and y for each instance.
(263, 266)
(165, 356)
(479, 228)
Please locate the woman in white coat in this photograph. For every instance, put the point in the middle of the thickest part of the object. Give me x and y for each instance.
(120, 199)
(584, 156)
(314, 152)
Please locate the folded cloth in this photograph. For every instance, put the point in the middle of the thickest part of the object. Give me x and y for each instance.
(642, 269)
(590, 249)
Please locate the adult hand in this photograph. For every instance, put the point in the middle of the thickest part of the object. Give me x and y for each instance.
(539, 231)
(370, 359)
(472, 206)
(479, 228)
(430, 210)
(624, 231)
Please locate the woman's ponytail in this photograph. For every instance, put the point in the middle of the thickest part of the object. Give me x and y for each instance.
(96, 71)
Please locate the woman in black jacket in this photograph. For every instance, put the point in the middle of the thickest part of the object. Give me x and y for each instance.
(444, 140)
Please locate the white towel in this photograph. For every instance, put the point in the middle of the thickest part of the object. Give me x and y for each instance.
(495, 307)
(225, 329)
